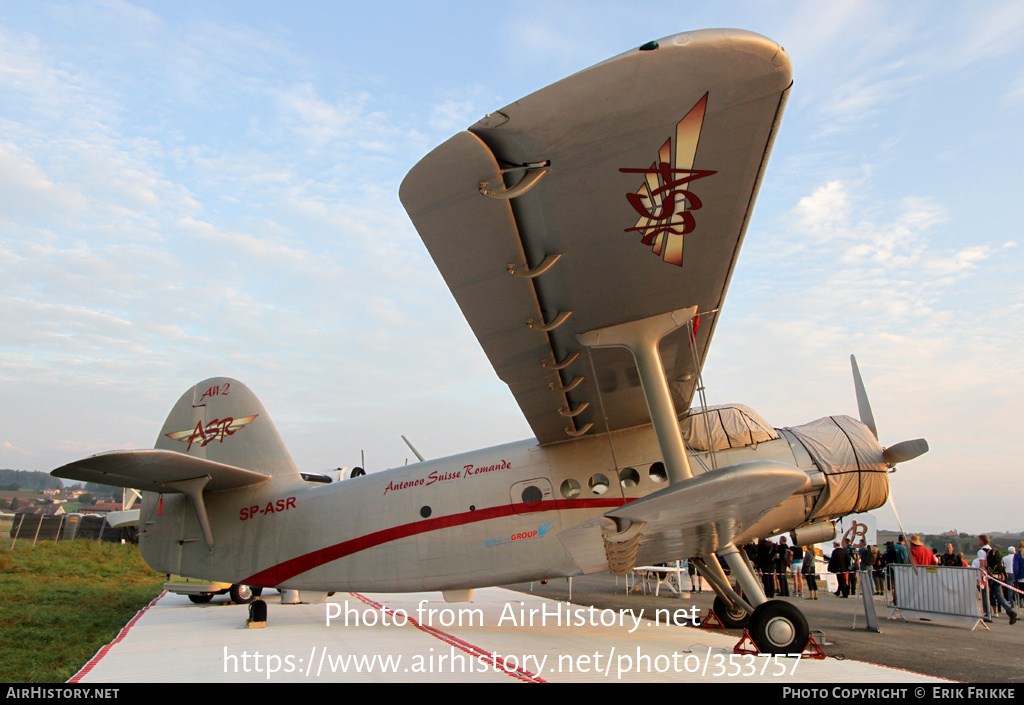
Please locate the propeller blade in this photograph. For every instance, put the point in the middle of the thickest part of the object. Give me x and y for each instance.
(904, 451)
(863, 405)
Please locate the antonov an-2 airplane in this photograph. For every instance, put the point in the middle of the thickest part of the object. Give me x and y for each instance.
(588, 232)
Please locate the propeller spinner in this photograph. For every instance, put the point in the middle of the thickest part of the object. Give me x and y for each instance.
(898, 453)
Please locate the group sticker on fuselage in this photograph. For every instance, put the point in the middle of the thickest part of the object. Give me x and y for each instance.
(520, 536)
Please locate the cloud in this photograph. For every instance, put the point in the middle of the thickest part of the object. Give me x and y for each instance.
(824, 211)
(995, 33)
(453, 115)
(11, 452)
(29, 192)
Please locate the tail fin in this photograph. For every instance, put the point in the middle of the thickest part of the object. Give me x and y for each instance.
(221, 420)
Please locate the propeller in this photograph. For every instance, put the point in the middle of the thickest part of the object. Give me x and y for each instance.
(898, 453)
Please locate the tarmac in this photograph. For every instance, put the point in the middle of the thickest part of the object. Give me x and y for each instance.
(943, 649)
(504, 636)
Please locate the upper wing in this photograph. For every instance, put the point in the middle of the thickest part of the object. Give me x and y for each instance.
(641, 172)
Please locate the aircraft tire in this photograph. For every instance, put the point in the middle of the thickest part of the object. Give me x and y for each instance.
(778, 627)
(241, 594)
(202, 598)
(732, 617)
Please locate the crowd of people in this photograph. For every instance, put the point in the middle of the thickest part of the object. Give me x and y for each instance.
(1000, 581)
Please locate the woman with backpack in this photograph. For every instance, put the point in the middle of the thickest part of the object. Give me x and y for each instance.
(990, 563)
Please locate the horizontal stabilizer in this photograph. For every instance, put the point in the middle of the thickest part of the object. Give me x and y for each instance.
(154, 470)
(118, 520)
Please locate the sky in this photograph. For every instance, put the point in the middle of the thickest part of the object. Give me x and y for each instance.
(196, 189)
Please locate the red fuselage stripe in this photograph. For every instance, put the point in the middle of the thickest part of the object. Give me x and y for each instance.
(275, 575)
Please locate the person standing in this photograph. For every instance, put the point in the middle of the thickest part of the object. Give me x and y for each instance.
(783, 558)
(766, 564)
(869, 559)
(797, 567)
(695, 579)
(990, 564)
(809, 569)
(1009, 594)
(901, 550)
(839, 564)
(1018, 571)
(951, 558)
(921, 554)
(853, 564)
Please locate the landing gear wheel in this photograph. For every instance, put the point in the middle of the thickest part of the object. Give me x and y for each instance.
(778, 627)
(732, 617)
(201, 599)
(241, 594)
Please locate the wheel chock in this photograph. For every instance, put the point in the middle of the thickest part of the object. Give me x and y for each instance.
(711, 621)
(812, 650)
(257, 615)
(746, 645)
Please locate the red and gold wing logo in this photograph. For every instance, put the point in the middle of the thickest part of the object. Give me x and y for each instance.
(665, 201)
(216, 430)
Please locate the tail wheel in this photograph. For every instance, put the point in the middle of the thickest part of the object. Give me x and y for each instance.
(778, 627)
(733, 617)
(241, 594)
(201, 599)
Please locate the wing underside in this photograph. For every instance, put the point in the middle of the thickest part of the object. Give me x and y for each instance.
(619, 193)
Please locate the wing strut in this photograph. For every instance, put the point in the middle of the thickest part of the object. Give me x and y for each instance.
(641, 337)
(193, 489)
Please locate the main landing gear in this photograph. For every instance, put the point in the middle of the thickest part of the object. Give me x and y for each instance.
(776, 626)
(731, 615)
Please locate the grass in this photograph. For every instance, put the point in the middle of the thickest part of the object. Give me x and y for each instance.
(60, 602)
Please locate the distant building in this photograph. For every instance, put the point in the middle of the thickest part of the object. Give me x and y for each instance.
(101, 508)
(45, 510)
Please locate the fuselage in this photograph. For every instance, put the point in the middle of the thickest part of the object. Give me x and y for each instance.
(482, 518)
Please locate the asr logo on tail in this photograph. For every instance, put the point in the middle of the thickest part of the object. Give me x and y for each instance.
(216, 430)
(665, 207)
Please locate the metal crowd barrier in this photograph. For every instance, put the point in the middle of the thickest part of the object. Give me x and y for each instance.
(942, 593)
(37, 527)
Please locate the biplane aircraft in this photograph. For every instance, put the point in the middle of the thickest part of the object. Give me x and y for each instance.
(589, 233)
